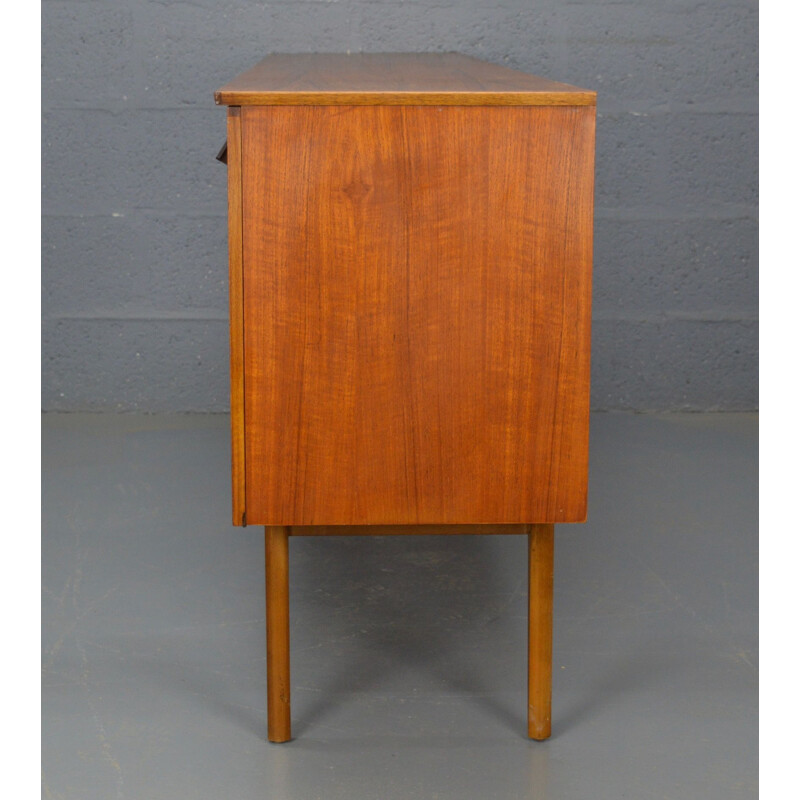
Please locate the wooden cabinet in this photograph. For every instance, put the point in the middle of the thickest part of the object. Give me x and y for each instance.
(410, 286)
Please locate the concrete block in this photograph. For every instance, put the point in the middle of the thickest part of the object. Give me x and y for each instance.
(630, 162)
(96, 161)
(712, 158)
(134, 264)
(676, 161)
(139, 365)
(189, 51)
(647, 55)
(675, 365)
(520, 33)
(657, 266)
(87, 55)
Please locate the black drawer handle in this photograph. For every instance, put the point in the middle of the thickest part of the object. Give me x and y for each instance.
(223, 153)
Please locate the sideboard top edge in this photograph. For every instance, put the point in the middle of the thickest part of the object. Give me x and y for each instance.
(393, 79)
(232, 98)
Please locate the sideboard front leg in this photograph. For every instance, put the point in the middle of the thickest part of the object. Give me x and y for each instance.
(540, 629)
(279, 715)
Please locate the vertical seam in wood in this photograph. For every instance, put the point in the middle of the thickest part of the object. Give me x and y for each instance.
(411, 433)
(299, 490)
(553, 493)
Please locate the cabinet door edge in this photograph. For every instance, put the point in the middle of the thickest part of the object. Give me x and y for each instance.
(236, 298)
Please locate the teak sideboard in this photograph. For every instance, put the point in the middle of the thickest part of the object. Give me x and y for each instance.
(410, 248)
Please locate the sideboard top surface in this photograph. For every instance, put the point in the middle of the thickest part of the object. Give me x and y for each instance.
(393, 79)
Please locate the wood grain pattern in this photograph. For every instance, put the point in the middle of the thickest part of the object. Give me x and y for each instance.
(392, 79)
(236, 305)
(418, 314)
(540, 630)
(276, 556)
(405, 530)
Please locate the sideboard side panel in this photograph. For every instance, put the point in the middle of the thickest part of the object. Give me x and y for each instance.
(236, 298)
(417, 305)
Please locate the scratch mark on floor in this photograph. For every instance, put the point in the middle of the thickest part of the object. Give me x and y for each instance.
(736, 651)
(102, 735)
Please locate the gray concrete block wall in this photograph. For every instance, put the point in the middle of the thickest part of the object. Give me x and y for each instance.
(134, 236)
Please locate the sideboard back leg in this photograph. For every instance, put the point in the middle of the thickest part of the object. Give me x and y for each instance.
(540, 629)
(279, 715)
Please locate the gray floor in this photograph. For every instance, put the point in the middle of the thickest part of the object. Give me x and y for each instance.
(408, 654)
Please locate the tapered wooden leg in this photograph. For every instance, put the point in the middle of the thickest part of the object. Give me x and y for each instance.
(540, 629)
(279, 715)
